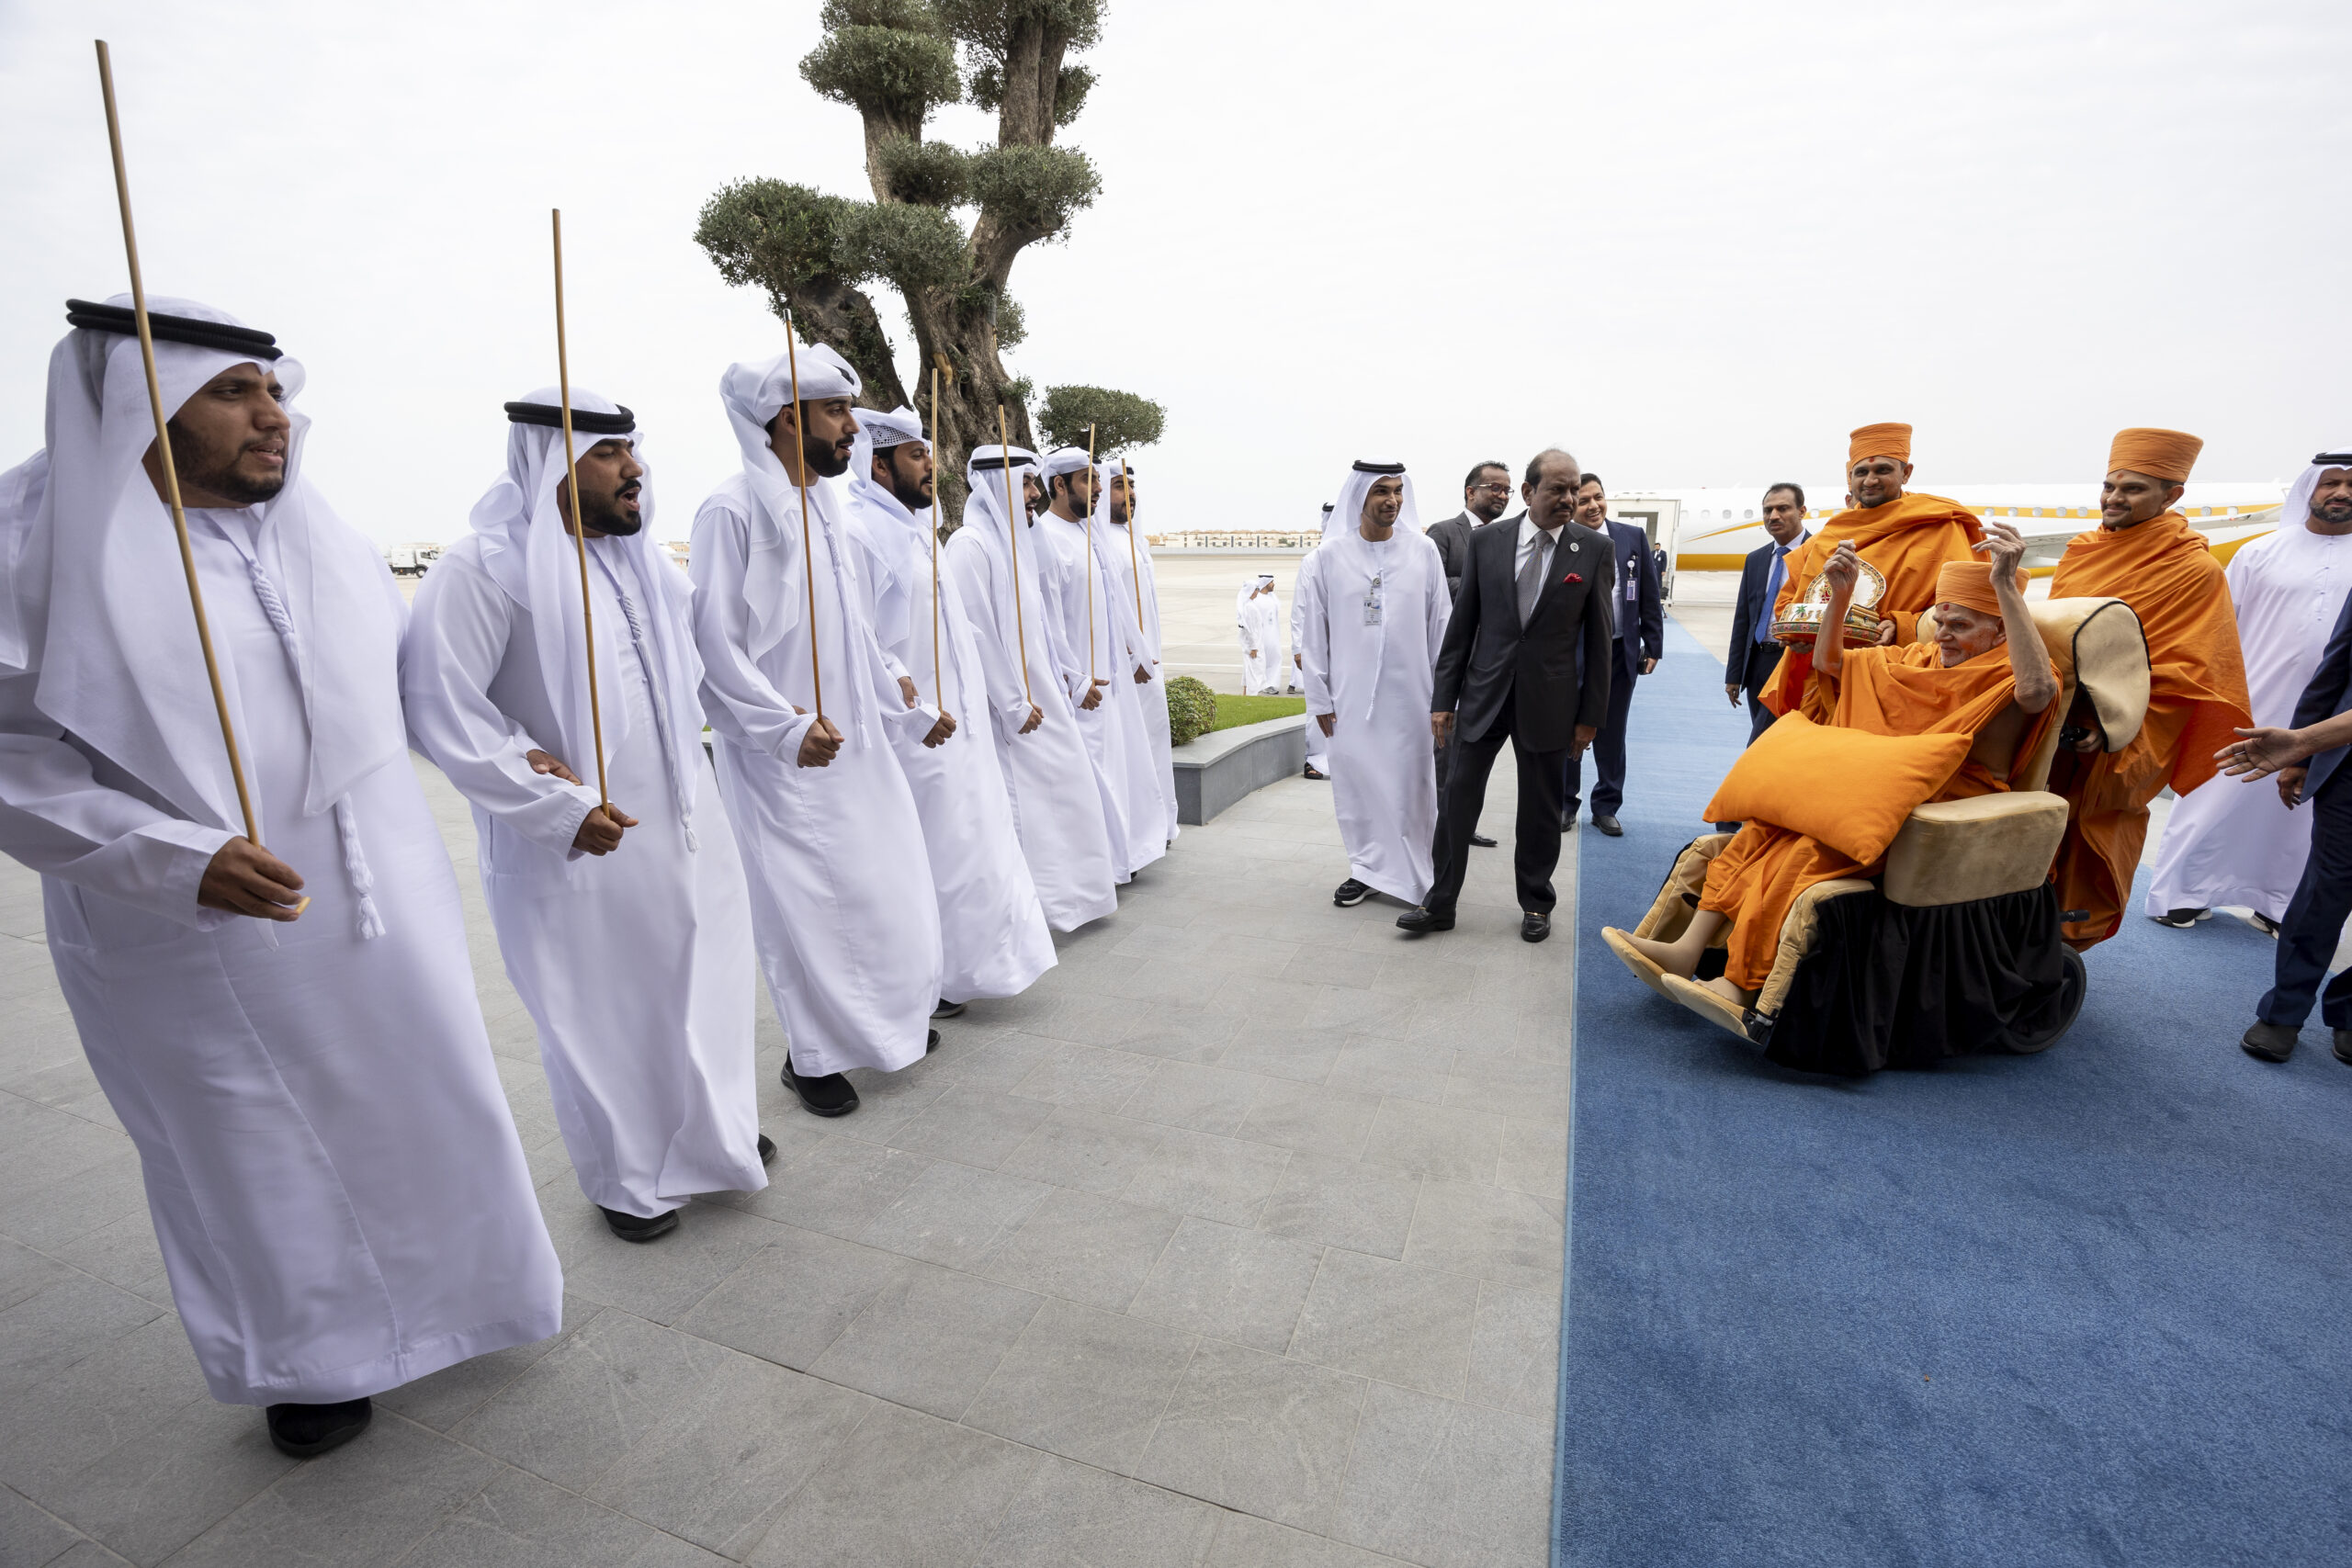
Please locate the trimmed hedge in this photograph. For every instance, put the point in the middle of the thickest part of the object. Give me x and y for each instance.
(1191, 709)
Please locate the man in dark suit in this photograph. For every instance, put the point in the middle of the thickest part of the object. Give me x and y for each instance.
(1637, 610)
(1754, 655)
(1485, 495)
(1526, 659)
(2309, 760)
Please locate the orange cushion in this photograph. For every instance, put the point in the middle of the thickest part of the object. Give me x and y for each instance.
(1848, 788)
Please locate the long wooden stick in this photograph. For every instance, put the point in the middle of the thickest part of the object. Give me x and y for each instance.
(1135, 564)
(1012, 537)
(578, 529)
(807, 559)
(164, 450)
(1088, 524)
(938, 687)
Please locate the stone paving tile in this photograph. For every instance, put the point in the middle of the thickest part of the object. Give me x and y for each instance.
(1515, 1349)
(972, 1127)
(1340, 1203)
(929, 1341)
(955, 1215)
(1071, 1514)
(1217, 1178)
(1263, 1434)
(1083, 1246)
(1491, 1232)
(1392, 1320)
(1083, 1383)
(520, 1521)
(1201, 1098)
(1446, 1485)
(905, 1489)
(1084, 1149)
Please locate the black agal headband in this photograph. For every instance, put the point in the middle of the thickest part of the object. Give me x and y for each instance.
(121, 320)
(585, 422)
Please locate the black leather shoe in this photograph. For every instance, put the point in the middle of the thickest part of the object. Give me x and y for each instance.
(2180, 919)
(637, 1227)
(932, 1044)
(1608, 825)
(1349, 892)
(947, 1008)
(767, 1149)
(1420, 919)
(2271, 1041)
(1480, 840)
(831, 1094)
(305, 1431)
(2344, 1046)
(1534, 927)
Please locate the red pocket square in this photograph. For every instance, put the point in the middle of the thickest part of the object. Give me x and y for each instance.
(1572, 577)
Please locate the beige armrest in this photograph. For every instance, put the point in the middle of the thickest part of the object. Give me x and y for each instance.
(1953, 851)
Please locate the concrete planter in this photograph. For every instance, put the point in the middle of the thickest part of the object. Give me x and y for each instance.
(1219, 767)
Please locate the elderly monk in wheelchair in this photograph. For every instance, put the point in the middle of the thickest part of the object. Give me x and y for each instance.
(1888, 900)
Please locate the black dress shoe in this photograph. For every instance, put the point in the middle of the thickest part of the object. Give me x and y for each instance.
(2344, 1046)
(767, 1149)
(947, 1008)
(1608, 825)
(1534, 927)
(305, 1431)
(1480, 840)
(931, 1043)
(2180, 919)
(1350, 893)
(2263, 922)
(1424, 920)
(639, 1227)
(2271, 1041)
(832, 1095)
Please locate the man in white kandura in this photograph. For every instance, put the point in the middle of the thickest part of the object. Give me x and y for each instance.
(1258, 614)
(1057, 804)
(1318, 746)
(627, 932)
(2231, 844)
(991, 927)
(1373, 604)
(340, 1198)
(841, 911)
(1096, 620)
(1130, 561)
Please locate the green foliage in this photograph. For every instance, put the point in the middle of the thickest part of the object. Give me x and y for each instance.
(985, 26)
(1034, 190)
(984, 84)
(912, 16)
(1012, 322)
(1233, 712)
(778, 235)
(930, 173)
(1191, 709)
(1070, 93)
(1121, 420)
(915, 247)
(890, 70)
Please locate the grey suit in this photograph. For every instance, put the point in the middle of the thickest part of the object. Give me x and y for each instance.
(1452, 538)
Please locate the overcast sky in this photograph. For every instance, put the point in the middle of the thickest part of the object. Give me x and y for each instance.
(1696, 242)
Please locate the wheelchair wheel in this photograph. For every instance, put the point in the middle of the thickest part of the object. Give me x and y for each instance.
(2072, 982)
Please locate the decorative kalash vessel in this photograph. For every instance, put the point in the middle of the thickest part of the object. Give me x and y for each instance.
(1802, 625)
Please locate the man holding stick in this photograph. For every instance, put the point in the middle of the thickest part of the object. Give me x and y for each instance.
(629, 936)
(1130, 554)
(799, 694)
(290, 1034)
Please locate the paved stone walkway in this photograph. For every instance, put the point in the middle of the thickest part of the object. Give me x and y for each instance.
(1234, 1244)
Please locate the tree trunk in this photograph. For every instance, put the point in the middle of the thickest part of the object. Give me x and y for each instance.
(843, 320)
(959, 341)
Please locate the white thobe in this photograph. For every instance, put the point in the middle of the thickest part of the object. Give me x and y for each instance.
(1049, 778)
(1318, 746)
(993, 937)
(1130, 554)
(847, 931)
(1375, 615)
(340, 1198)
(1261, 643)
(637, 965)
(2231, 844)
(1098, 631)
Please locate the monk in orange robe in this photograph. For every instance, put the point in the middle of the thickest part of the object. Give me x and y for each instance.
(2146, 555)
(1985, 674)
(1907, 536)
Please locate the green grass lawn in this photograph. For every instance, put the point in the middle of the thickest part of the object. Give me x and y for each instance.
(1233, 711)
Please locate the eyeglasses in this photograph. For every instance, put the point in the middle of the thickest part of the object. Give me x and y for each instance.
(1501, 487)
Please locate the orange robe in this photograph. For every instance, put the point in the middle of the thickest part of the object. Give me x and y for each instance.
(1908, 539)
(2197, 697)
(1886, 691)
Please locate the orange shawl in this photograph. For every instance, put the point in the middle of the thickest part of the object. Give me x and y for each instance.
(1908, 540)
(2197, 697)
(1886, 691)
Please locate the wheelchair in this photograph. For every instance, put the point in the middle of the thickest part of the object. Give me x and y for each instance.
(1954, 947)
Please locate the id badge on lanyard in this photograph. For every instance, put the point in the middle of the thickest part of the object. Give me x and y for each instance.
(1372, 602)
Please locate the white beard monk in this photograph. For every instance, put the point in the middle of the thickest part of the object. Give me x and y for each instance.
(1057, 803)
(833, 846)
(1105, 646)
(1372, 607)
(992, 930)
(340, 1198)
(628, 934)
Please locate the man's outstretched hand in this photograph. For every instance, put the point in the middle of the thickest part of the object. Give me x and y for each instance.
(245, 879)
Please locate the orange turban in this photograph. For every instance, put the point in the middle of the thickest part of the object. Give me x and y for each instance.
(2162, 454)
(1879, 441)
(1969, 584)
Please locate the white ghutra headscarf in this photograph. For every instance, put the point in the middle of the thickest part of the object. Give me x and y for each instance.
(1346, 512)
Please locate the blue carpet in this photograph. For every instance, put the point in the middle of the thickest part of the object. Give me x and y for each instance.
(2085, 1307)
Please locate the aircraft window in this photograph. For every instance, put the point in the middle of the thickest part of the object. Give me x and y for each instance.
(2205, 512)
(1749, 515)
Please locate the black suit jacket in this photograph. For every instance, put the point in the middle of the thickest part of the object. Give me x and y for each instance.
(1645, 630)
(2329, 693)
(1452, 538)
(1555, 670)
(1754, 573)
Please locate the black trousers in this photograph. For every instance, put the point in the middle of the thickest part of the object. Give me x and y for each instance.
(1535, 849)
(1761, 661)
(1608, 754)
(2315, 917)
